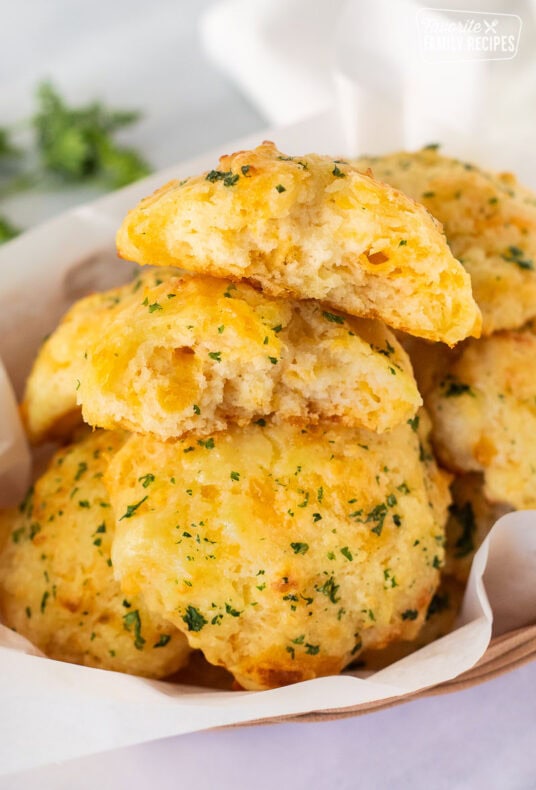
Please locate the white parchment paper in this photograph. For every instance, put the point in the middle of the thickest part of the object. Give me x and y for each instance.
(55, 711)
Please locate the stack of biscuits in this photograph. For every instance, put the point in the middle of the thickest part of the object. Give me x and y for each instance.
(258, 481)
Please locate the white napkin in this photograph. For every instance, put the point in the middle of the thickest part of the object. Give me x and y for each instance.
(372, 62)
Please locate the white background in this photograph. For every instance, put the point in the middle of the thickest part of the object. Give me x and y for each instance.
(147, 55)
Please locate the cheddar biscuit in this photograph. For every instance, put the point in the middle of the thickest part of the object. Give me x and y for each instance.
(49, 407)
(309, 228)
(194, 354)
(471, 518)
(57, 585)
(489, 221)
(484, 415)
(282, 552)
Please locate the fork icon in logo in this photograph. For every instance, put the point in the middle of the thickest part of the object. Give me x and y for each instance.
(490, 27)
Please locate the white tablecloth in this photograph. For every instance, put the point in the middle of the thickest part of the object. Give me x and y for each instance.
(480, 739)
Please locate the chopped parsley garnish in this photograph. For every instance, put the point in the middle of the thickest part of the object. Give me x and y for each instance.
(208, 444)
(516, 255)
(132, 622)
(84, 503)
(299, 548)
(17, 534)
(453, 388)
(312, 650)
(245, 169)
(154, 307)
(82, 467)
(410, 614)
(280, 188)
(44, 600)
(329, 589)
(216, 355)
(194, 619)
(26, 506)
(334, 319)
(233, 612)
(146, 480)
(131, 509)
(345, 551)
(273, 360)
(465, 517)
(414, 423)
(196, 409)
(338, 173)
(163, 641)
(229, 180)
(235, 476)
(376, 516)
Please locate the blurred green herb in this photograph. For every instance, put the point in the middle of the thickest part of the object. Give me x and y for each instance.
(77, 144)
(7, 230)
(73, 145)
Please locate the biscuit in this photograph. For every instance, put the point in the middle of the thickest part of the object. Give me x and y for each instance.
(282, 552)
(483, 411)
(194, 354)
(49, 409)
(57, 585)
(471, 518)
(309, 228)
(440, 620)
(490, 223)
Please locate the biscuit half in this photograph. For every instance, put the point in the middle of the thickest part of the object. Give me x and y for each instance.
(195, 354)
(309, 228)
(49, 408)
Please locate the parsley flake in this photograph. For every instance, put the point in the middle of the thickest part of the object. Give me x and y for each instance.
(194, 619)
(332, 317)
(131, 509)
(132, 622)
